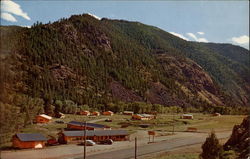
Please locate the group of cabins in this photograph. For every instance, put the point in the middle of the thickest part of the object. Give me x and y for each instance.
(190, 116)
(43, 118)
(110, 113)
(74, 133)
(37, 140)
(140, 116)
(95, 113)
(75, 130)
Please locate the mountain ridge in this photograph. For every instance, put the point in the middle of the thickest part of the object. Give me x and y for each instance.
(93, 62)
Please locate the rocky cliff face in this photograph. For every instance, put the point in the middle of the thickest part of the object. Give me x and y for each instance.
(191, 78)
(240, 139)
(120, 92)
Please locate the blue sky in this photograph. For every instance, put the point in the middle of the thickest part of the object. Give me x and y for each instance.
(204, 21)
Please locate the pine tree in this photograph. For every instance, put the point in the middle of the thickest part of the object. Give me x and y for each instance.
(211, 149)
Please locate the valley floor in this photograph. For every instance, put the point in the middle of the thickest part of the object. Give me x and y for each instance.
(164, 141)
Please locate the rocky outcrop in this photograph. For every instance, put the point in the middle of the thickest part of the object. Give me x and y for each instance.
(192, 77)
(159, 94)
(240, 139)
(120, 92)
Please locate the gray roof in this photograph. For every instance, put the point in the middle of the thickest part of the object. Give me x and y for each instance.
(96, 133)
(31, 137)
(93, 125)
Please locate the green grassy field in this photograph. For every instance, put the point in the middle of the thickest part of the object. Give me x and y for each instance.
(164, 122)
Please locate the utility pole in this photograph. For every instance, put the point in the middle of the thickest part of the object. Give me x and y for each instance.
(135, 147)
(85, 125)
(173, 124)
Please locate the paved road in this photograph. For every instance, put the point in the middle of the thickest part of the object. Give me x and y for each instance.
(154, 147)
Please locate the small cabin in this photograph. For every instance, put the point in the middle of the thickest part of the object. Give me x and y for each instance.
(187, 116)
(137, 117)
(25, 140)
(128, 113)
(95, 113)
(59, 115)
(84, 112)
(43, 118)
(143, 117)
(98, 135)
(108, 113)
(216, 114)
(75, 125)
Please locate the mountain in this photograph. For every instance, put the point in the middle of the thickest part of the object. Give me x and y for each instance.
(83, 61)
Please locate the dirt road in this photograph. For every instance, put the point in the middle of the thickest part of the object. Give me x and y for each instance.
(119, 150)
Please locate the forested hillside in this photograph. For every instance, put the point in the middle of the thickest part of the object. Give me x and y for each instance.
(85, 63)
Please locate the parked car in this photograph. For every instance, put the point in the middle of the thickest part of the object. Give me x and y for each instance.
(108, 120)
(52, 141)
(88, 143)
(107, 142)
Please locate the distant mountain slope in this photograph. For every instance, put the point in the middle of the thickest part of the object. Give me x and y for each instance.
(221, 61)
(92, 62)
(235, 53)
